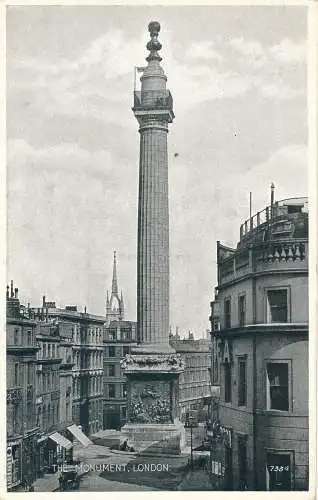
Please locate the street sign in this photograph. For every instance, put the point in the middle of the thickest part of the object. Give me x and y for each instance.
(191, 420)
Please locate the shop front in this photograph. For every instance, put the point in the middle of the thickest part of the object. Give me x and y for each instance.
(52, 450)
(221, 462)
(14, 464)
(29, 445)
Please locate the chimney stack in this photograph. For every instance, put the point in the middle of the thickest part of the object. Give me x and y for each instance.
(272, 194)
(16, 290)
(8, 293)
(12, 294)
(43, 301)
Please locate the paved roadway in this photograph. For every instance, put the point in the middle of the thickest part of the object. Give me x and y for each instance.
(93, 482)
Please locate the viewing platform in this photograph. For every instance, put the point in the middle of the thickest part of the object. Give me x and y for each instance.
(274, 239)
(156, 101)
(281, 214)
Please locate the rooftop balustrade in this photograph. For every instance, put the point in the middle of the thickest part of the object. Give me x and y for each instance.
(158, 99)
(290, 207)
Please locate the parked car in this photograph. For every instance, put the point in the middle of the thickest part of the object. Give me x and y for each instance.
(69, 480)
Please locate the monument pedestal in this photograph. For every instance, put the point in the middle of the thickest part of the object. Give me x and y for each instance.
(156, 439)
(152, 411)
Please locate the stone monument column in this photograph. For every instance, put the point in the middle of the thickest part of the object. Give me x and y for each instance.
(153, 369)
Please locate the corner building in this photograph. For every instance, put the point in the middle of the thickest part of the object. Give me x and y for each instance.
(260, 354)
(22, 427)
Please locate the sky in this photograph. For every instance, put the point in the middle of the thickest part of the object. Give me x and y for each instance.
(238, 80)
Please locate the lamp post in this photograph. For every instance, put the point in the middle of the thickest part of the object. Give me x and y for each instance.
(191, 423)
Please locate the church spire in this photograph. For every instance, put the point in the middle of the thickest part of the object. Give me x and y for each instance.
(114, 303)
(114, 282)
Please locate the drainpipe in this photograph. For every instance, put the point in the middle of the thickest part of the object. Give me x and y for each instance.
(254, 374)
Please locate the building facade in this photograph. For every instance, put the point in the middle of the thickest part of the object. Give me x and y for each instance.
(119, 339)
(259, 325)
(80, 364)
(194, 382)
(48, 397)
(22, 427)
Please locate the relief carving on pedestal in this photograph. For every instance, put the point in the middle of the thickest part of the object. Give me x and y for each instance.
(149, 407)
(170, 362)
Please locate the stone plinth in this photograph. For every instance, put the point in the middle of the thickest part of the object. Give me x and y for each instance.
(155, 438)
(152, 411)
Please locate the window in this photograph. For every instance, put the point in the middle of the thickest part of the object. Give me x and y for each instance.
(227, 313)
(30, 370)
(126, 334)
(242, 459)
(111, 390)
(277, 306)
(16, 374)
(294, 209)
(16, 336)
(227, 383)
(111, 351)
(29, 337)
(68, 411)
(277, 386)
(242, 382)
(15, 418)
(215, 323)
(126, 350)
(38, 416)
(111, 370)
(124, 390)
(242, 308)
(278, 472)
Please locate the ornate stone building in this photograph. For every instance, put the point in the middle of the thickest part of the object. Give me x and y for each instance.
(81, 357)
(22, 427)
(195, 381)
(119, 339)
(52, 446)
(259, 326)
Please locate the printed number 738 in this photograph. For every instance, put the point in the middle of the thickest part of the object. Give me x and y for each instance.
(278, 468)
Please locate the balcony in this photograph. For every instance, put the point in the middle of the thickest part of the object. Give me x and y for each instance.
(279, 255)
(153, 99)
(283, 251)
(15, 395)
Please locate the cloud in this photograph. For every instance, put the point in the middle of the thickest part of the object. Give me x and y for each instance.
(70, 207)
(285, 53)
(280, 90)
(251, 48)
(288, 51)
(67, 210)
(203, 50)
(94, 83)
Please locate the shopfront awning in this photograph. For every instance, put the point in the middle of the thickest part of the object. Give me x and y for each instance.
(79, 435)
(61, 440)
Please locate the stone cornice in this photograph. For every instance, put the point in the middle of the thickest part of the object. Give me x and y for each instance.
(268, 328)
